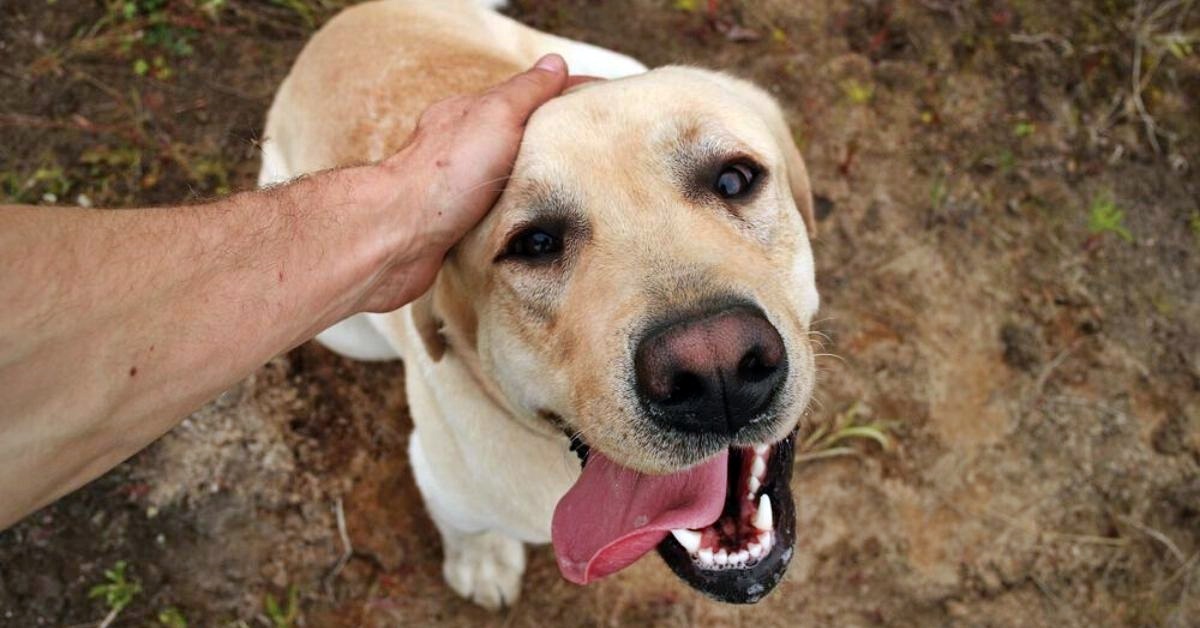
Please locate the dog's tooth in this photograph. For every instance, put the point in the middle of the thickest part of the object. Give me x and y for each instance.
(753, 484)
(759, 467)
(764, 519)
(705, 556)
(743, 556)
(689, 539)
(755, 550)
(761, 449)
(721, 558)
(767, 540)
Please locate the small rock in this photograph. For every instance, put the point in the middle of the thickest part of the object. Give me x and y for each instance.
(1168, 438)
(1022, 346)
(823, 206)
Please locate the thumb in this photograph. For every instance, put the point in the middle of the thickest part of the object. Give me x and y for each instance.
(525, 92)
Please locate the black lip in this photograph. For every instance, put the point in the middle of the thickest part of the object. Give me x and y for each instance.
(749, 585)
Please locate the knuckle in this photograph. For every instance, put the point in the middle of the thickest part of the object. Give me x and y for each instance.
(495, 103)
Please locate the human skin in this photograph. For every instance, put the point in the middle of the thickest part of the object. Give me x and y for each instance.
(115, 324)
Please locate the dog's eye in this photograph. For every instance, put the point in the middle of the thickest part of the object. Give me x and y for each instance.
(735, 181)
(534, 244)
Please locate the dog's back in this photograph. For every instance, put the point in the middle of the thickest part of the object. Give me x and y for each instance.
(357, 89)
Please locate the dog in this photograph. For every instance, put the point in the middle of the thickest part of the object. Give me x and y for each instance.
(616, 359)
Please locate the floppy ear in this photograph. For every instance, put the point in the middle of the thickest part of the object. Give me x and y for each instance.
(429, 327)
(797, 175)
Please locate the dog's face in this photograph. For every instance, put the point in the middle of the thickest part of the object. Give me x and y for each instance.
(646, 277)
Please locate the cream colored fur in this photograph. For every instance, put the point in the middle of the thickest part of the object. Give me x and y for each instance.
(489, 463)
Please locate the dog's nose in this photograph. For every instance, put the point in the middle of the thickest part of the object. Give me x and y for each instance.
(715, 373)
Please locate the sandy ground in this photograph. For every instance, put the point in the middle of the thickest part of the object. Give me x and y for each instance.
(1034, 356)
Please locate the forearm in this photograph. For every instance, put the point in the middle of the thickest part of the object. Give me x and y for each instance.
(115, 324)
(142, 315)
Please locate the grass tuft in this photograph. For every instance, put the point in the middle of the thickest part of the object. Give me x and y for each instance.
(117, 591)
(834, 439)
(1106, 217)
(283, 617)
(171, 617)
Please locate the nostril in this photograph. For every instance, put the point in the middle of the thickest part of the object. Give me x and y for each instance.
(753, 368)
(685, 387)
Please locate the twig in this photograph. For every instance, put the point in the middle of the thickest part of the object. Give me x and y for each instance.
(1185, 569)
(1090, 404)
(1044, 38)
(1157, 536)
(20, 120)
(1056, 602)
(109, 618)
(347, 548)
(1087, 539)
(1136, 95)
(828, 453)
(1039, 385)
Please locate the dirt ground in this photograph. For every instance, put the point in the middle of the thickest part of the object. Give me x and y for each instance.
(1008, 260)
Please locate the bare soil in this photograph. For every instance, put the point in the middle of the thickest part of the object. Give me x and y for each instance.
(1035, 357)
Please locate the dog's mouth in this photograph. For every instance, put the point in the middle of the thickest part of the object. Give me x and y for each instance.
(743, 554)
(725, 526)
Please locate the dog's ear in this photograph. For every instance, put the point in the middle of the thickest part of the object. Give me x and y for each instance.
(429, 327)
(797, 173)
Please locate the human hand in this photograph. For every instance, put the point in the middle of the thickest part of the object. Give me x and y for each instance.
(448, 175)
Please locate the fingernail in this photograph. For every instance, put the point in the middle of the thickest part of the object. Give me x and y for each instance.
(550, 63)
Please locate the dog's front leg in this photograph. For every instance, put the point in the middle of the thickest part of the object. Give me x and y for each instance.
(484, 566)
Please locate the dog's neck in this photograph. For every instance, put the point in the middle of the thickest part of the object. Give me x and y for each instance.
(469, 360)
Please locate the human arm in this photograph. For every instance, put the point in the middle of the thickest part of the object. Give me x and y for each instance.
(114, 324)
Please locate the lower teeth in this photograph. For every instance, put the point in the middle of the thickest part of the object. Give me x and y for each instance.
(720, 558)
(748, 556)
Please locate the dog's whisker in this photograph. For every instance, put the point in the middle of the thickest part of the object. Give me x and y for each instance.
(505, 181)
(819, 334)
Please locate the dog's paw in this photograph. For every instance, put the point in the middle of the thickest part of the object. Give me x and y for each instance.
(486, 569)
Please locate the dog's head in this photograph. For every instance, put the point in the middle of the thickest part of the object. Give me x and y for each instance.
(647, 279)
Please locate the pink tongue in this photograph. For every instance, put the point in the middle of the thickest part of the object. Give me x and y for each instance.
(613, 515)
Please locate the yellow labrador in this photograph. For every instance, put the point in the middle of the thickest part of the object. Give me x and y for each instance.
(616, 358)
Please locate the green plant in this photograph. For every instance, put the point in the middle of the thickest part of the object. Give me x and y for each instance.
(1106, 217)
(857, 93)
(156, 31)
(171, 617)
(283, 617)
(832, 440)
(1194, 223)
(117, 591)
(300, 8)
(47, 184)
(1180, 45)
(162, 71)
(1008, 161)
(938, 193)
(1024, 129)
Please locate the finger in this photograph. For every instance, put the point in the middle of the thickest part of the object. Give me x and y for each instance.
(580, 79)
(527, 91)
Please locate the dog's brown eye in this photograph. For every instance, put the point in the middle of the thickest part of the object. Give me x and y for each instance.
(735, 181)
(534, 244)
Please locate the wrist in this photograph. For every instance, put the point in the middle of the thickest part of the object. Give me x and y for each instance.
(378, 241)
